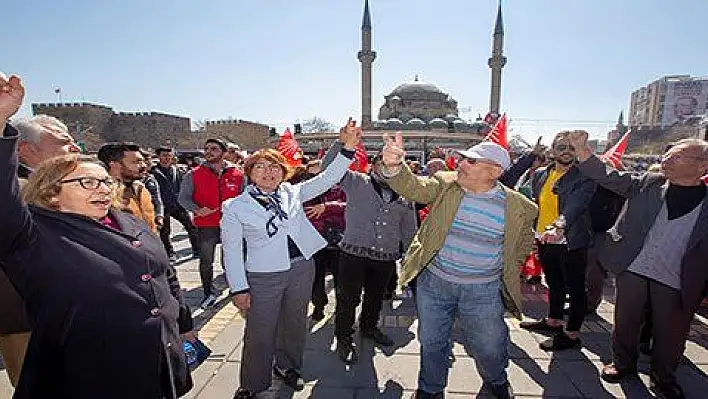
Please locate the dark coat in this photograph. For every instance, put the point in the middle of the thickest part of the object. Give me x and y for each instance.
(645, 195)
(103, 304)
(169, 182)
(13, 318)
(574, 194)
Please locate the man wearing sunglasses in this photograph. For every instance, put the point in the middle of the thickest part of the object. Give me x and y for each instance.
(563, 234)
(467, 255)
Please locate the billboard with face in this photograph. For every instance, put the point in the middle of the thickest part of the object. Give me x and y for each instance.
(684, 98)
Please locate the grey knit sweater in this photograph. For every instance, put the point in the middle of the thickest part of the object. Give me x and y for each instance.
(375, 229)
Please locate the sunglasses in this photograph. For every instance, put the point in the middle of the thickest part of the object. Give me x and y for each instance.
(90, 183)
(564, 147)
(473, 161)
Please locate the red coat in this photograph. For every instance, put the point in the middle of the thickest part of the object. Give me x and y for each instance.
(211, 190)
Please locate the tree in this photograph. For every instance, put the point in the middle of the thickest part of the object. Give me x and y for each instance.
(317, 125)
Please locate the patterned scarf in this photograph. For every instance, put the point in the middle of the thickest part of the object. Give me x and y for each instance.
(272, 203)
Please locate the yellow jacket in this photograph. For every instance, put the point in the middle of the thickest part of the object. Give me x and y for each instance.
(443, 196)
(136, 199)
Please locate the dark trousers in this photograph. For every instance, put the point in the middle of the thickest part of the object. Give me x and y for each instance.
(356, 273)
(208, 238)
(181, 215)
(326, 260)
(670, 324)
(595, 275)
(565, 272)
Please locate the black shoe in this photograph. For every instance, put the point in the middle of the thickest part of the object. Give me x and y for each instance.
(290, 377)
(540, 326)
(420, 394)
(666, 390)
(377, 336)
(503, 391)
(346, 350)
(560, 342)
(317, 314)
(244, 394)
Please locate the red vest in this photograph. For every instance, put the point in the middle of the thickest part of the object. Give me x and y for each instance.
(211, 190)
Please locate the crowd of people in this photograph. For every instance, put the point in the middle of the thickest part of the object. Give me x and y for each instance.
(90, 303)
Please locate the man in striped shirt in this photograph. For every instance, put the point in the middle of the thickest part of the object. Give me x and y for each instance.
(467, 253)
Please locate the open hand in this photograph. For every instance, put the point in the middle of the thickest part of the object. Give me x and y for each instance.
(315, 211)
(393, 150)
(12, 93)
(579, 140)
(350, 134)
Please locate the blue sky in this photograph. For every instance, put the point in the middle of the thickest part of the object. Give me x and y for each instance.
(278, 61)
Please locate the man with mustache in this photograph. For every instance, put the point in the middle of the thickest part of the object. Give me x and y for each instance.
(126, 164)
(563, 234)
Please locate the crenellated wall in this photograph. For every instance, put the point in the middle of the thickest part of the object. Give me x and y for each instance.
(250, 136)
(95, 124)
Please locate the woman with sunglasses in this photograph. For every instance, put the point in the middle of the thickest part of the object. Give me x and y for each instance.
(102, 300)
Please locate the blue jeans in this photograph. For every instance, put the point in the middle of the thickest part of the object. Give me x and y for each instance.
(480, 310)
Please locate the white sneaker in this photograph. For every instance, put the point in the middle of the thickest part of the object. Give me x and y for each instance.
(208, 302)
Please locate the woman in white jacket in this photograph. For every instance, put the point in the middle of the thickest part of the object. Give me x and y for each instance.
(271, 278)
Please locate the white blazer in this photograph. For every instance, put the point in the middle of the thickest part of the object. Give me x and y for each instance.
(244, 218)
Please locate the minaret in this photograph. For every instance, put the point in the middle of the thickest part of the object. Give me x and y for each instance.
(496, 63)
(366, 57)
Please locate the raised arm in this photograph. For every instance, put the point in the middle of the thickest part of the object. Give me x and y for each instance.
(625, 184)
(334, 170)
(17, 230)
(418, 189)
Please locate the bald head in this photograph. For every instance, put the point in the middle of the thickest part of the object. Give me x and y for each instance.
(686, 162)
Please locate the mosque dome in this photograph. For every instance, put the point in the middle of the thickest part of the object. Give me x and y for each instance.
(416, 86)
(437, 122)
(416, 121)
(417, 100)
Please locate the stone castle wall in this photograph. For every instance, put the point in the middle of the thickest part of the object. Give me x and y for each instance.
(249, 136)
(95, 125)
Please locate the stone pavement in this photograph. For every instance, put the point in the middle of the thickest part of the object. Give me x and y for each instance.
(392, 373)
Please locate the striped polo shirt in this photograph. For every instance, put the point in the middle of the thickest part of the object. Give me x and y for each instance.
(474, 246)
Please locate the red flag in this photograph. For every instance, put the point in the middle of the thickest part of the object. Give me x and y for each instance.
(361, 159)
(705, 179)
(614, 154)
(290, 149)
(498, 133)
(321, 153)
(451, 162)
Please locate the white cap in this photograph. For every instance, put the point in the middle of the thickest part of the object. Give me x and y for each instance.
(489, 151)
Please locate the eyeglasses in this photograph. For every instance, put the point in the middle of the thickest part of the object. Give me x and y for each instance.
(564, 147)
(268, 167)
(90, 183)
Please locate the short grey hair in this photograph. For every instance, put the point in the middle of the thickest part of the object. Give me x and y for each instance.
(31, 129)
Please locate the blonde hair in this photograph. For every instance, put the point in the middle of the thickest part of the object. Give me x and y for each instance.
(44, 184)
(270, 155)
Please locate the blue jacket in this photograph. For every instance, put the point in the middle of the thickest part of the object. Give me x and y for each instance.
(244, 220)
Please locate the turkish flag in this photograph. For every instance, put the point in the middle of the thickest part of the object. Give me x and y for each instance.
(614, 154)
(705, 179)
(361, 159)
(290, 149)
(498, 133)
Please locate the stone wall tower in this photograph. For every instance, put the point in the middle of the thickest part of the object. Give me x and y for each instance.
(496, 63)
(366, 56)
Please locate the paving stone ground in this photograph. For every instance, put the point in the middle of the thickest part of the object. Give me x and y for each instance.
(392, 373)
